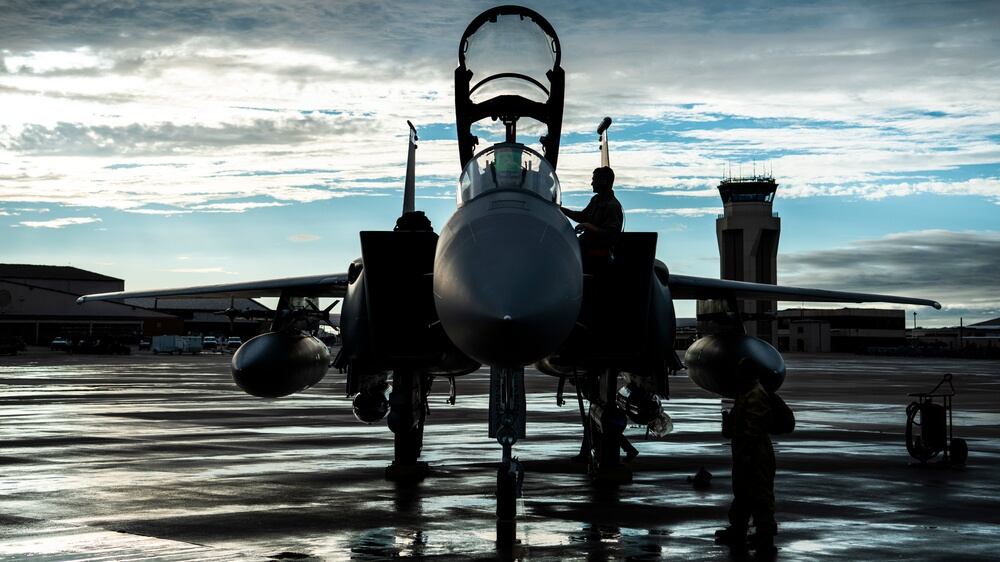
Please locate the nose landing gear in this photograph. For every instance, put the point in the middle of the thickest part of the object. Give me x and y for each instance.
(507, 425)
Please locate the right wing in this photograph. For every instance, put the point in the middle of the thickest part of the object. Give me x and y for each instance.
(333, 285)
(703, 288)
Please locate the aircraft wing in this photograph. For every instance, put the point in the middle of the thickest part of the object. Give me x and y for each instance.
(334, 285)
(686, 287)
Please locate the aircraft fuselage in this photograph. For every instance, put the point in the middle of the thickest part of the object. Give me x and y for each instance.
(508, 281)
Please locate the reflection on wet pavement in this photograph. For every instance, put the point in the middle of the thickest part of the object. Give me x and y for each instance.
(143, 457)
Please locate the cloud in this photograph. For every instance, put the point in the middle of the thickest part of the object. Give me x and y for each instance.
(858, 99)
(237, 207)
(163, 212)
(17, 211)
(691, 193)
(58, 223)
(43, 62)
(303, 238)
(200, 270)
(958, 269)
(157, 139)
(687, 212)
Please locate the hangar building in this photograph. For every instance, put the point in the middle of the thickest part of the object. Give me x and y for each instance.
(38, 303)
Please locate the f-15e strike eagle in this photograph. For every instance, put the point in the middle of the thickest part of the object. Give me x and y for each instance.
(502, 286)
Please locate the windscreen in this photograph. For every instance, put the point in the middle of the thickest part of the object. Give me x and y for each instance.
(508, 166)
(510, 56)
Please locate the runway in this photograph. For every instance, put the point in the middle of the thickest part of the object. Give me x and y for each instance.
(129, 458)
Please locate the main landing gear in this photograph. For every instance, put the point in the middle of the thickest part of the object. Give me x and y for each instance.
(408, 410)
(605, 427)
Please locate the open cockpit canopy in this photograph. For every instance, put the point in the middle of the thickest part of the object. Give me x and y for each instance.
(509, 167)
(510, 54)
(508, 69)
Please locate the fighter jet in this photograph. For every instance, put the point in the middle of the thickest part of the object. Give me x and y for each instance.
(502, 285)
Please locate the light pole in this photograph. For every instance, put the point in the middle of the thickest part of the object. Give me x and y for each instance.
(914, 320)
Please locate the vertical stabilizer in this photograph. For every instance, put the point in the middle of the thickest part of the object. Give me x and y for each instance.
(410, 186)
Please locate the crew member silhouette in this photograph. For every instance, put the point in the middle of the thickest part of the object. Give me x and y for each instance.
(747, 425)
(600, 221)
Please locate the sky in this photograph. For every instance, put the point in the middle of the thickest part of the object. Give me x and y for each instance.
(180, 142)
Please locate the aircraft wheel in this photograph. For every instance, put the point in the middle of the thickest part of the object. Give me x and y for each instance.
(506, 494)
(959, 451)
(407, 445)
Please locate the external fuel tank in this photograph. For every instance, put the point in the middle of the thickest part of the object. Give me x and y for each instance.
(728, 364)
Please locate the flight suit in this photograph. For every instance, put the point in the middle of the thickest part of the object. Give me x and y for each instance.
(753, 463)
(605, 212)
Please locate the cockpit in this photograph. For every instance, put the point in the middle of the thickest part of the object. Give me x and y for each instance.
(508, 166)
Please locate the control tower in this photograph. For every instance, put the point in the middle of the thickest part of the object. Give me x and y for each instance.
(748, 243)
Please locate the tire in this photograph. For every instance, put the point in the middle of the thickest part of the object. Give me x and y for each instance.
(958, 451)
(506, 494)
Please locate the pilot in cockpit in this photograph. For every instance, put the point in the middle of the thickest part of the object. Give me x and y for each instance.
(600, 221)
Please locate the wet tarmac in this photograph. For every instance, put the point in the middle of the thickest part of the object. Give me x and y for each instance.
(162, 457)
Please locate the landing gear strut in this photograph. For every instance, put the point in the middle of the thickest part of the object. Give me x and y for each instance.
(607, 423)
(507, 423)
(406, 421)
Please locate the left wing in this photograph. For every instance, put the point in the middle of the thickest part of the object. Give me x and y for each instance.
(333, 285)
(686, 287)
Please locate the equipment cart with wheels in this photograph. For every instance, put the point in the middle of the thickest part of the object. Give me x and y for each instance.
(929, 426)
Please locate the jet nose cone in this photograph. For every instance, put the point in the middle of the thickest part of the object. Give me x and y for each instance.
(508, 297)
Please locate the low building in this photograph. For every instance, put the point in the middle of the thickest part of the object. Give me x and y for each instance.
(805, 336)
(977, 337)
(687, 332)
(842, 330)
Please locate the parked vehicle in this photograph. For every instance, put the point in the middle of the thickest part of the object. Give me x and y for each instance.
(61, 344)
(209, 343)
(177, 344)
(233, 343)
(145, 343)
(97, 345)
